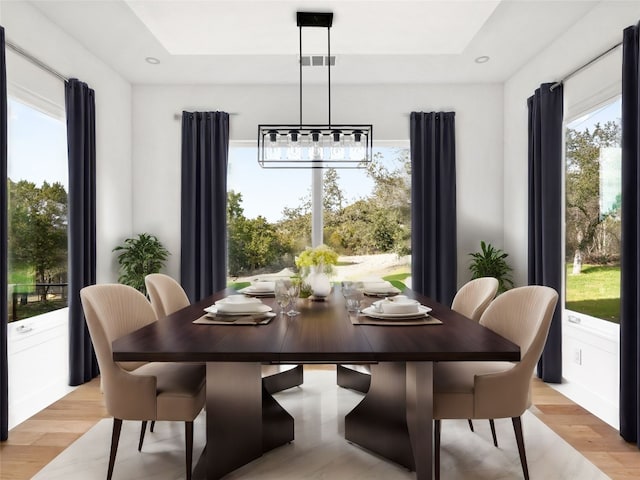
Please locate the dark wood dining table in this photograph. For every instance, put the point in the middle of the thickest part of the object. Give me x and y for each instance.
(394, 419)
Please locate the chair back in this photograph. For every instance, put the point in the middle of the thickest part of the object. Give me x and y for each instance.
(112, 311)
(522, 315)
(166, 295)
(474, 297)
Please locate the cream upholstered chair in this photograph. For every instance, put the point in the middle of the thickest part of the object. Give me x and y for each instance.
(497, 389)
(166, 295)
(474, 297)
(472, 300)
(153, 391)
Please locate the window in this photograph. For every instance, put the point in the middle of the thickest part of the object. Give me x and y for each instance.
(365, 212)
(37, 178)
(593, 191)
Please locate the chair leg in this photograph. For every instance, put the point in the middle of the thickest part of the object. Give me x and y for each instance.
(493, 432)
(143, 429)
(153, 424)
(517, 428)
(470, 424)
(115, 438)
(436, 449)
(188, 436)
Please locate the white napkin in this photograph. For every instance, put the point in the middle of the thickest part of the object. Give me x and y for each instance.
(239, 303)
(397, 307)
(263, 286)
(378, 286)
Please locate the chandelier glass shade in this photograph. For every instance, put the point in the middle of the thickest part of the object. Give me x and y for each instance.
(315, 146)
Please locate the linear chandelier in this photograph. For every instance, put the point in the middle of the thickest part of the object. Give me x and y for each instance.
(315, 146)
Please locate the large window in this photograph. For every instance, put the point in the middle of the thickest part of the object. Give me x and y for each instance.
(593, 190)
(37, 181)
(366, 215)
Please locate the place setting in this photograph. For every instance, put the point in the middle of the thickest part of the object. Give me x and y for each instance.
(237, 310)
(260, 289)
(396, 310)
(378, 288)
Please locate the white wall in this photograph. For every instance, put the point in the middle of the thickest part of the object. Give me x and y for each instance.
(30, 30)
(600, 29)
(479, 133)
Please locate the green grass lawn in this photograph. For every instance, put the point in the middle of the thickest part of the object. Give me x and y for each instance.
(596, 291)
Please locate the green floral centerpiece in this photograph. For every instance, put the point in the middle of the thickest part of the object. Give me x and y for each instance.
(314, 265)
(322, 256)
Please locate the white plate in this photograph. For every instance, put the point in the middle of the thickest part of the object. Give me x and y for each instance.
(247, 311)
(371, 312)
(252, 291)
(389, 291)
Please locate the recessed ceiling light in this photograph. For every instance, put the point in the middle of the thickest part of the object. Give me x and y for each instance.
(155, 61)
(482, 59)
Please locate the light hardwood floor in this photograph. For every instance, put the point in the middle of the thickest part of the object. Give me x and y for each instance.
(38, 440)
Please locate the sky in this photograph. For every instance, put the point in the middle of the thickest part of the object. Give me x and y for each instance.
(34, 136)
(267, 191)
(608, 112)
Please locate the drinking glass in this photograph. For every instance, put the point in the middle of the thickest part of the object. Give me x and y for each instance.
(294, 293)
(353, 296)
(281, 294)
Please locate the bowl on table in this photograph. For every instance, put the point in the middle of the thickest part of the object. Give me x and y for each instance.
(399, 304)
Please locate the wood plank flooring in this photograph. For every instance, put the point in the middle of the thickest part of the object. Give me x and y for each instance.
(601, 444)
(38, 440)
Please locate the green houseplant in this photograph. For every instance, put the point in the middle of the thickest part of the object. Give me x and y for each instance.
(139, 257)
(491, 262)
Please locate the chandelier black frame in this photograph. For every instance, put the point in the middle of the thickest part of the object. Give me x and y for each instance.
(315, 146)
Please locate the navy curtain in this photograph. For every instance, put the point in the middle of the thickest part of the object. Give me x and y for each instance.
(433, 205)
(630, 253)
(4, 230)
(205, 152)
(545, 212)
(81, 140)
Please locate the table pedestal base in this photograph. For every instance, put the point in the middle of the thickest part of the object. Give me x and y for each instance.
(394, 419)
(243, 419)
(354, 377)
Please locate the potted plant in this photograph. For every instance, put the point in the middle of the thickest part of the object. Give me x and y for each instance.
(138, 258)
(315, 264)
(490, 262)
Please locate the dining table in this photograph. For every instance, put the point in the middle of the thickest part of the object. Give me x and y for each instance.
(243, 420)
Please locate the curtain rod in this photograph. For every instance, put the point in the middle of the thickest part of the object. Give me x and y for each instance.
(34, 60)
(582, 67)
(178, 116)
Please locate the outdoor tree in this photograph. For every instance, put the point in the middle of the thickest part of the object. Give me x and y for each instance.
(38, 230)
(253, 242)
(332, 196)
(378, 223)
(392, 199)
(584, 218)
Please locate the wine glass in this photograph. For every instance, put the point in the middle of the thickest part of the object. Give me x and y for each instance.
(281, 294)
(294, 293)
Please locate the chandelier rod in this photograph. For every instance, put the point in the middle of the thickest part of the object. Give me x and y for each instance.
(300, 63)
(328, 59)
(329, 70)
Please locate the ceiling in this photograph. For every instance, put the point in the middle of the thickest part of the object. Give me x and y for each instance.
(256, 42)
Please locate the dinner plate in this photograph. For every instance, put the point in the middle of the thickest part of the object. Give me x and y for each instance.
(371, 312)
(389, 291)
(249, 311)
(253, 291)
